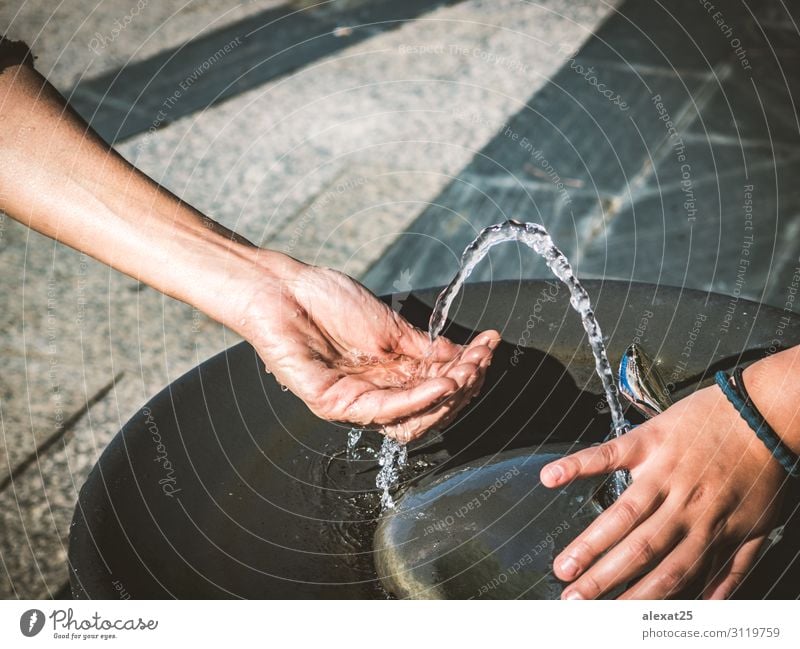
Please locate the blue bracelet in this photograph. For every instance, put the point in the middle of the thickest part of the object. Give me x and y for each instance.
(737, 395)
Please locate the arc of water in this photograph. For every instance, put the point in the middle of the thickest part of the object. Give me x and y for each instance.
(535, 236)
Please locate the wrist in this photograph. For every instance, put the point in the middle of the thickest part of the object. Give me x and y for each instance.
(775, 391)
(244, 281)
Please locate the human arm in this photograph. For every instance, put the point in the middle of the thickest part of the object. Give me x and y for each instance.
(323, 335)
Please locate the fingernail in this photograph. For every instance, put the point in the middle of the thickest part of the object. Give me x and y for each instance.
(569, 567)
(571, 594)
(555, 472)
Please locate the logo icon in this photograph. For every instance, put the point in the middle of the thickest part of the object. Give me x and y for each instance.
(402, 287)
(31, 622)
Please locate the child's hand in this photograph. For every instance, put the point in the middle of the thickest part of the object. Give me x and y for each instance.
(705, 494)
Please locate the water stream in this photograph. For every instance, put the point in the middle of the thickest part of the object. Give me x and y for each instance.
(392, 457)
(535, 237)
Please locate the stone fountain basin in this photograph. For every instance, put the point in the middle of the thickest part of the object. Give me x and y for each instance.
(224, 486)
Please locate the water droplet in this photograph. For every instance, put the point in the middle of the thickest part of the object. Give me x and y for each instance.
(353, 438)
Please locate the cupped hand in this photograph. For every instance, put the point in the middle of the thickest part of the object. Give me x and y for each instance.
(352, 359)
(704, 497)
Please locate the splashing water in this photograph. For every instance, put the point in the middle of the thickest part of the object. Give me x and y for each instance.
(392, 457)
(535, 237)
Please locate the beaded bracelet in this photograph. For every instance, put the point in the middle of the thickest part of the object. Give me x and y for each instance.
(740, 399)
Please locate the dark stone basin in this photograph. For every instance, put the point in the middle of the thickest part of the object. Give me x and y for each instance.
(225, 486)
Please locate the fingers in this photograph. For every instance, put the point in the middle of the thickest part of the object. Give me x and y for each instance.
(633, 507)
(359, 402)
(723, 583)
(675, 572)
(415, 343)
(468, 370)
(618, 453)
(374, 396)
(410, 429)
(471, 358)
(490, 338)
(440, 416)
(641, 549)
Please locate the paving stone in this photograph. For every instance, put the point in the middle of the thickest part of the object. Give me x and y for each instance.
(621, 212)
(390, 102)
(230, 60)
(36, 511)
(70, 325)
(653, 241)
(85, 38)
(746, 134)
(565, 160)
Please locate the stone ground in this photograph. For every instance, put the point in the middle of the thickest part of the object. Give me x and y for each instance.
(378, 137)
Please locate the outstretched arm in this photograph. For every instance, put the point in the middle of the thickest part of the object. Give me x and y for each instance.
(323, 335)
